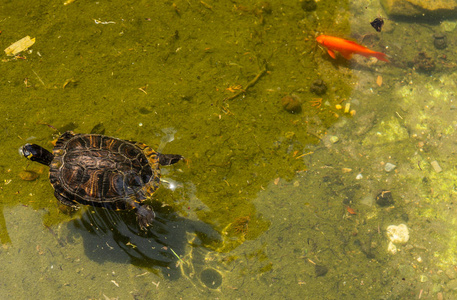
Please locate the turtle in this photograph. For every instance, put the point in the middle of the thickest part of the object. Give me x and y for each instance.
(103, 171)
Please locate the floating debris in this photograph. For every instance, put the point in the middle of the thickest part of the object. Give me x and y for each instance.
(115, 283)
(351, 210)
(379, 80)
(347, 107)
(70, 83)
(249, 84)
(177, 256)
(103, 22)
(19, 46)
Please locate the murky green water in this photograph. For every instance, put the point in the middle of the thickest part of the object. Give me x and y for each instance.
(271, 204)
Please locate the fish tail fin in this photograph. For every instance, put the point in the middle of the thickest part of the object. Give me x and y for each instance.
(380, 56)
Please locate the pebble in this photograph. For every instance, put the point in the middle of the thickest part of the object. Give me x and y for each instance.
(398, 234)
(440, 41)
(291, 104)
(391, 248)
(389, 167)
(384, 198)
(334, 139)
(436, 166)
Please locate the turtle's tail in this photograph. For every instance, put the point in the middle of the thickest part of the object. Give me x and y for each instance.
(145, 216)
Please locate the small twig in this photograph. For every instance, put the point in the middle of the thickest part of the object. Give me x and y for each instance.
(176, 255)
(250, 84)
(38, 78)
(206, 5)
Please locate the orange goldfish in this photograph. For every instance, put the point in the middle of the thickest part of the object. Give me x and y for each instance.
(347, 48)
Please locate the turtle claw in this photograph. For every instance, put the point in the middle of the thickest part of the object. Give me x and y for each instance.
(145, 215)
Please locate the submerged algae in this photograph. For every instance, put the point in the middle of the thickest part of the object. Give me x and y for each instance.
(146, 72)
(234, 147)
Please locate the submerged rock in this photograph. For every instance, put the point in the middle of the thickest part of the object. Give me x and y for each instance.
(384, 198)
(398, 234)
(440, 41)
(318, 87)
(291, 104)
(419, 8)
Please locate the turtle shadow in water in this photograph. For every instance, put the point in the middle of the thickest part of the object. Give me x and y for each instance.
(115, 236)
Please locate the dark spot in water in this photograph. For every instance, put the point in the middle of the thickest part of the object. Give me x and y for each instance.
(211, 278)
(384, 198)
(320, 270)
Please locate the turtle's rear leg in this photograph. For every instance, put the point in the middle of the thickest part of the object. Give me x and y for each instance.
(66, 206)
(145, 215)
(64, 200)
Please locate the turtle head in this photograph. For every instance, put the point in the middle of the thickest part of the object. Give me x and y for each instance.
(36, 153)
(169, 159)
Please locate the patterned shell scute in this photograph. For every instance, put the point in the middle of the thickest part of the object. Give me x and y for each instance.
(103, 171)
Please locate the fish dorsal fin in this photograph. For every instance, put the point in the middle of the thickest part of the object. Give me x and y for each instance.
(355, 44)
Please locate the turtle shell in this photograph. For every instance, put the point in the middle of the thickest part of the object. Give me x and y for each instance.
(98, 170)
